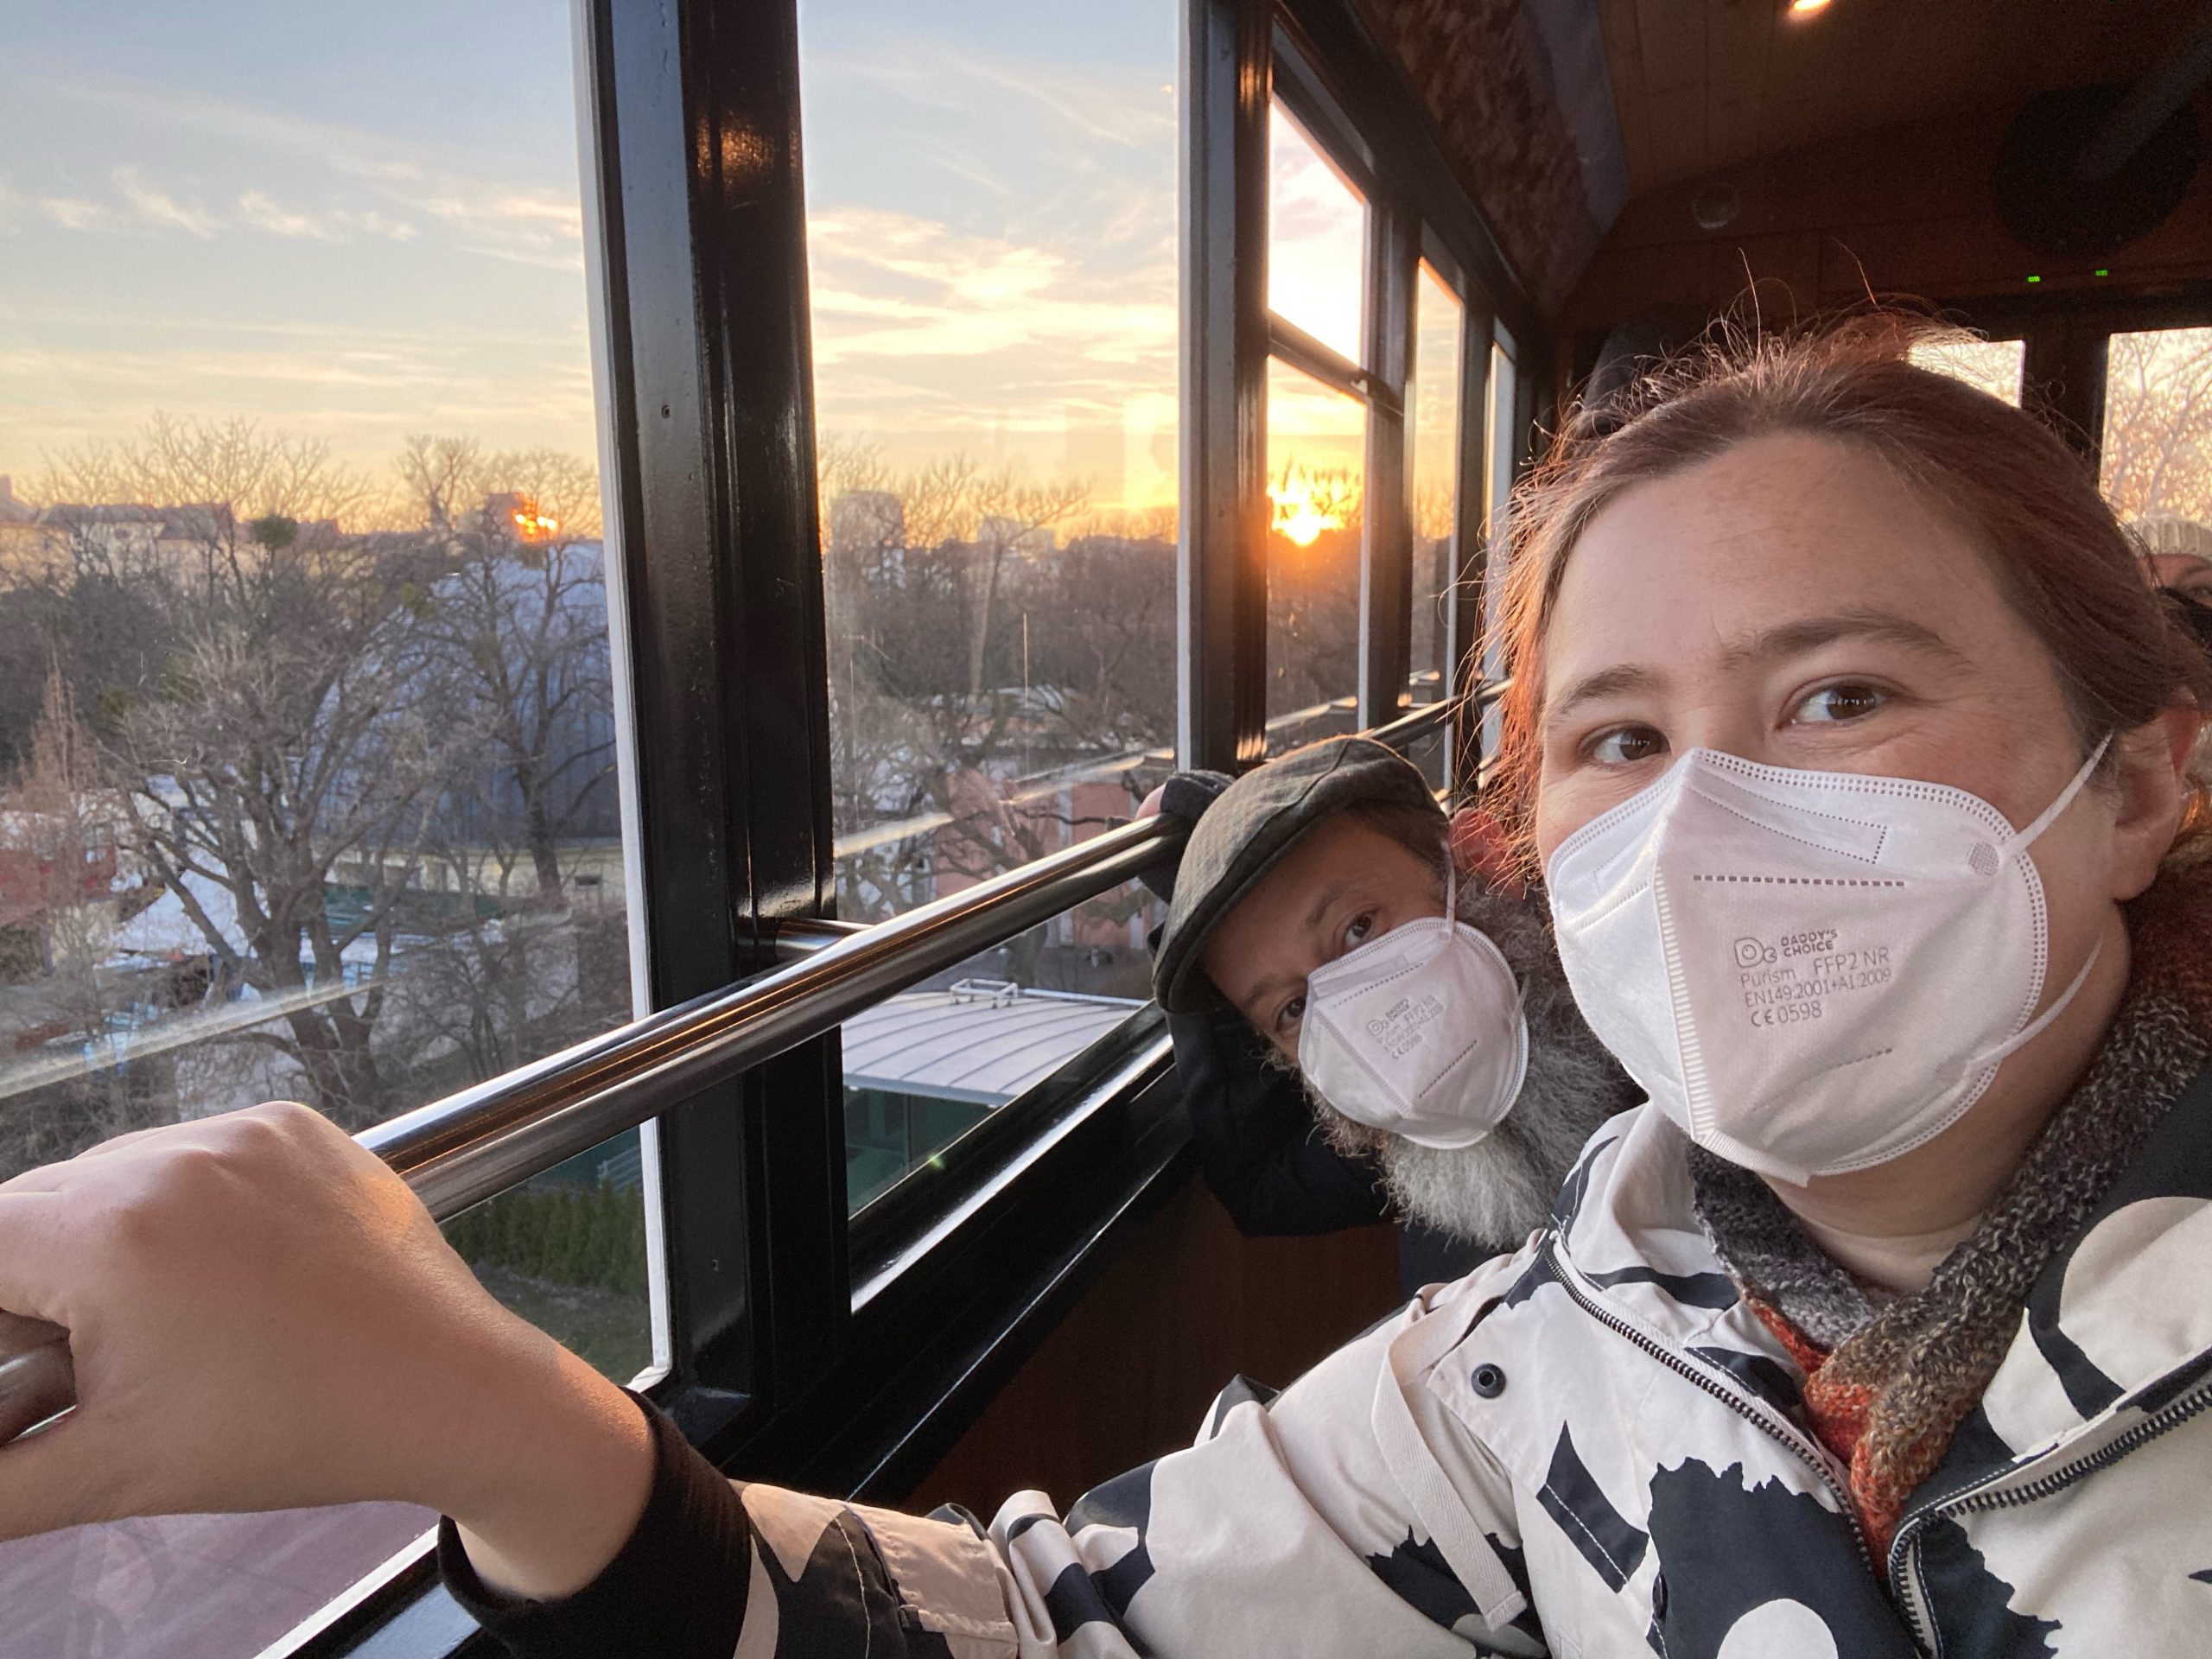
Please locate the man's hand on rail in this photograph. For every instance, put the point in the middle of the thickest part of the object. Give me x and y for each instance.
(262, 1316)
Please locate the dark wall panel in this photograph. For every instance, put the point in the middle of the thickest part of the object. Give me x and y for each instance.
(1129, 1373)
(1907, 211)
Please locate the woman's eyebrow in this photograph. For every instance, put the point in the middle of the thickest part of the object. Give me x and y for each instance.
(1788, 640)
(1617, 681)
(1777, 644)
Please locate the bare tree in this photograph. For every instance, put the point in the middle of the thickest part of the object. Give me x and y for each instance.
(173, 462)
(281, 724)
(442, 476)
(997, 652)
(296, 745)
(1312, 591)
(2157, 432)
(522, 614)
(59, 887)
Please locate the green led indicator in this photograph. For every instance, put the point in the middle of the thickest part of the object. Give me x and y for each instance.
(2035, 279)
(2101, 271)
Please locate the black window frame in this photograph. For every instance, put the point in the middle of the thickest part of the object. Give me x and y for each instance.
(791, 1358)
(2063, 334)
(1342, 89)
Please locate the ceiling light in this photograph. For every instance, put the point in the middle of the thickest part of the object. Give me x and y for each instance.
(1807, 8)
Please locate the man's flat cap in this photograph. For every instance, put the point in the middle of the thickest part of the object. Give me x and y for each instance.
(1249, 830)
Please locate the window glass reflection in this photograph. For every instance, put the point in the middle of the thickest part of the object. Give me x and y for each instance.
(1433, 437)
(925, 1068)
(1317, 440)
(1317, 239)
(1499, 427)
(307, 741)
(992, 236)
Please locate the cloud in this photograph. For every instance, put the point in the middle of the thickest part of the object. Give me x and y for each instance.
(75, 213)
(889, 284)
(931, 340)
(261, 211)
(157, 207)
(258, 210)
(130, 368)
(404, 182)
(1131, 111)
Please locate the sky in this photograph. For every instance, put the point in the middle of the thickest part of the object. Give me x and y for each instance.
(992, 214)
(350, 222)
(358, 222)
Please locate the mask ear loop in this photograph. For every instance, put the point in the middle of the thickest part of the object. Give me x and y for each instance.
(1452, 880)
(2036, 1026)
(2049, 816)
(1451, 886)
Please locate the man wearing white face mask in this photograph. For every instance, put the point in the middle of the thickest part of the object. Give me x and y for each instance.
(1326, 907)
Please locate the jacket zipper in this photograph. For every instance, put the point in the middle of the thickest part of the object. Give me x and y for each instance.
(1718, 1390)
(1977, 1497)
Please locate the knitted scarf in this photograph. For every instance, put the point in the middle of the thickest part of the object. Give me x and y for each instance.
(1889, 1376)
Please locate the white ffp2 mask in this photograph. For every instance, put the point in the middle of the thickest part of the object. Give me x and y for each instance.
(1418, 1031)
(1809, 972)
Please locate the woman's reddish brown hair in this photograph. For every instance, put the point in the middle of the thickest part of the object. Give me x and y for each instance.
(2026, 500)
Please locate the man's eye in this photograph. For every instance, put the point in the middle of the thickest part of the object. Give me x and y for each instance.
(1360, 927)
(1624, 745)
(1846, 700)
(1290, 1014)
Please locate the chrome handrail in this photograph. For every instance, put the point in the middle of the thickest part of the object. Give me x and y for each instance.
(462, 1150)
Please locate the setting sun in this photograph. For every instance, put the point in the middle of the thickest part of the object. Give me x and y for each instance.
(1306, 506)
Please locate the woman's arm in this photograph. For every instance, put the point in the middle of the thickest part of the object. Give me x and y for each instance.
(262, 1317)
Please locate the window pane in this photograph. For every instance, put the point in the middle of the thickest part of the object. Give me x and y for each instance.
(1992, 365)
(1501, 443)
(1317, 457)
(2157, 451)
(1317, 239)
(1433, 421)
(307, 759)
(992, 224)
(929, 1066)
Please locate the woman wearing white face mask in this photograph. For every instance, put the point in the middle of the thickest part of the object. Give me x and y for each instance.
(1853, 748)
(1852, 765)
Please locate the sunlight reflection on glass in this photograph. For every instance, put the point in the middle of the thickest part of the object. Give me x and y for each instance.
(991, 242)
(1433, 436)
(1317, 239)
(1317, 441)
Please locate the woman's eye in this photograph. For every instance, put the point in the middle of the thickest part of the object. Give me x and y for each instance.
(1624, 745)
(1290, 1014)
(1360, 927)
(1848, 700)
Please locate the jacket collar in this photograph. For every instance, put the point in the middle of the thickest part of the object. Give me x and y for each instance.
(2118, 1322)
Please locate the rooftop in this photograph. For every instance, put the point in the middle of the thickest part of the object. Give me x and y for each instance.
(981, 1041)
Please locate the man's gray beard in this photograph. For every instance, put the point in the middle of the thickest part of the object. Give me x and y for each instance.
(1499, 1190)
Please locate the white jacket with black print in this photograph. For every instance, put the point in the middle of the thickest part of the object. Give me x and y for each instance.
(1589, 1448)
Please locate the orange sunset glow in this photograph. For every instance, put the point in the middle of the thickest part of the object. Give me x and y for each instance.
(1307, 507)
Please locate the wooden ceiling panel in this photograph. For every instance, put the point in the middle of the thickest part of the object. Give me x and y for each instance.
(1624, 53)
(1671, 39)
(1701, 86)
(1738, 51)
